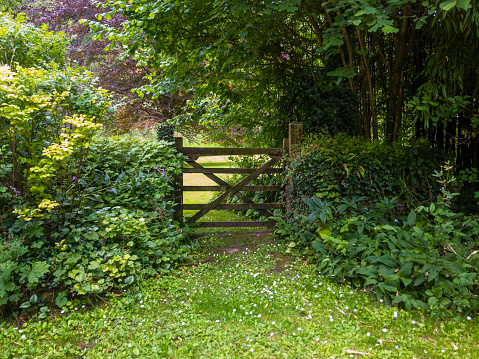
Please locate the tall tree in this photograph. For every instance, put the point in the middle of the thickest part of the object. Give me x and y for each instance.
(247, 53)
(120, 77)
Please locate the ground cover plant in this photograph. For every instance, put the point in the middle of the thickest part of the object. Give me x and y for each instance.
(242, 296)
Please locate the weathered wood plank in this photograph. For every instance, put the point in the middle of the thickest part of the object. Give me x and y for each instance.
(230, 170)
(233, 190)
(225, 188)
(211, 151)
(178, 184)
(219, 181)
(235, 206)
(235, 224)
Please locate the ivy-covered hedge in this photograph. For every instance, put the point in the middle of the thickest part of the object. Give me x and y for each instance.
(344, 166)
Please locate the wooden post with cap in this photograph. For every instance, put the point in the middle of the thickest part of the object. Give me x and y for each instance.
(295, 136)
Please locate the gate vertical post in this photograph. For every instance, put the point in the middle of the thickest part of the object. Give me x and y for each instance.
(295, 136)
(285, 203)
(178, 186)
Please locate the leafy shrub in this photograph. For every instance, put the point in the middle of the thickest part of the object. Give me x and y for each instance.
(30, 46)
(346, 167)
(120, 229)
(165, 132)
(467, 185)
(76, 213)
(427, 259)
(314, 99)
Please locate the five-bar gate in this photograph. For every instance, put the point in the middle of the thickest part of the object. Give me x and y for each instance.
(193, 153)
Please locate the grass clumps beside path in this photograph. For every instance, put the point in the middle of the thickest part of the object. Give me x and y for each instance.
(245, 298)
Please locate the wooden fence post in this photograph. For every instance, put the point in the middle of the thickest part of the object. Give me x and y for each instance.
(285, 205)
(178, 185)
(295, 134)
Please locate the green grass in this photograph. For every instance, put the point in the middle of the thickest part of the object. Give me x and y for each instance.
(257, 302)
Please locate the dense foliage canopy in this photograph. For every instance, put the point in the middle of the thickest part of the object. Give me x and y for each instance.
(411, 64)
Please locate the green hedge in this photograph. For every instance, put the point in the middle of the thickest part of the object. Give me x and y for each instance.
(345, 166)
(119, 227)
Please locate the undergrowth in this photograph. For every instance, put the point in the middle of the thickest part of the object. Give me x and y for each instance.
(246, 299)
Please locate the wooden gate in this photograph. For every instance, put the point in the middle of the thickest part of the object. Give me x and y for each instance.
(193, 153)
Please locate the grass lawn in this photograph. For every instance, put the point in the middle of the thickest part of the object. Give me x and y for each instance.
(242, 296)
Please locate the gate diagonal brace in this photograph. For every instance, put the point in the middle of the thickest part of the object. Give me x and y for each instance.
(233, 190)
(219, 181)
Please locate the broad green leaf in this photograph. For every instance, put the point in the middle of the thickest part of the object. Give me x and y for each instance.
(61, 301)
(93, 265)
(463, 4)
(411, 218)
(447, 5)
(370, 10)
(388, 29)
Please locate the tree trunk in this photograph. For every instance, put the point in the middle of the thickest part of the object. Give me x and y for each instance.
(396, 86)
(367, 67)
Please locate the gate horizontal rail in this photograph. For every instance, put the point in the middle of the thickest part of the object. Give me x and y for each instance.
(235, 206)
(217, 151)
(231, 170)
(224, 188)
